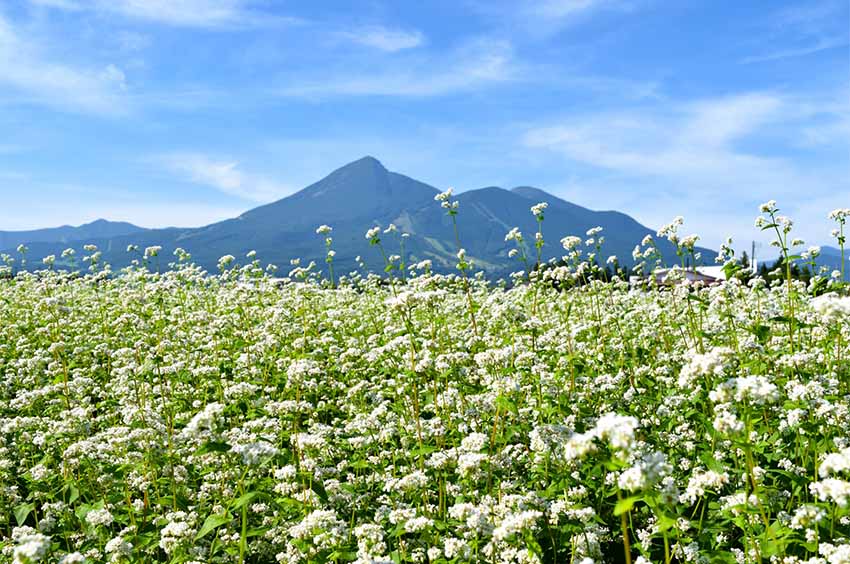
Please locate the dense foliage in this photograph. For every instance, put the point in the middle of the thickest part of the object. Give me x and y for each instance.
(184, 417)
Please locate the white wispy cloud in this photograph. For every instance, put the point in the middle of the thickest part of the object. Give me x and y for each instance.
(694, 138)
(385, 39)
(696, 155)
(224, 175)
(472, 65)
(180, 13)
(817, 45)
(68, 5)
(801, 30)
(34, 75)
(546, 17)
(560, 9)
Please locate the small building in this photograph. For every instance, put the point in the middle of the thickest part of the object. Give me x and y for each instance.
(704, 274)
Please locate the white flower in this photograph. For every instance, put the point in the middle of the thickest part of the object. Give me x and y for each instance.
(839, 214)
(756, 390)
(571, 242)
(690, 241)
(514, 235)
(807, 517)
(30, 548)
(835, 463)
(322, 528)
(699, 366)
(97, 517)
(538, 209)
(254, 453)
(474, 442)
(118, 546)
(444, 196)
(702, 481)
(617, 430)
(768, 207)
(785, 222)
(831, 489)
(515, 523)
(152, 251)
(831, 307)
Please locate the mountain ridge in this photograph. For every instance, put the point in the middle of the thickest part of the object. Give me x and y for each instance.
(67, 233)
(362, 194)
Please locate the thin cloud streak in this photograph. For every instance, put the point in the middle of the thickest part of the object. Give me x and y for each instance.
(210, 14)
(821, 45)
(802, 30)
(473, 65)
(224, 175)
(37, 78)
(385, 39)
(655, 153)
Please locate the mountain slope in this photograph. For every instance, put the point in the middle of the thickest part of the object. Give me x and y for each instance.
(363, 194)
(487, 214)
(831, 257)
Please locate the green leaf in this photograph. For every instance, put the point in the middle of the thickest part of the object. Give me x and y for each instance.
(625, 505)
(319, 488)
(213, 446)
(243, 499)
(213, 522)
(344, 556)
(23, 511)
(73, 493)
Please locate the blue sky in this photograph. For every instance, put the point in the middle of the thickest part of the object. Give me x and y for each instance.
(181, 112)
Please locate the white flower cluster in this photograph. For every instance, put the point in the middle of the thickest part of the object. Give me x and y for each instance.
(30, 546)
(831, 308)
(754, 390)
(428, 418)
(701, 366)
(538, 209)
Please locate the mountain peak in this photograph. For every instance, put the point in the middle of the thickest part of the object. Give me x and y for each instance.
(359, 191)
(364, 163)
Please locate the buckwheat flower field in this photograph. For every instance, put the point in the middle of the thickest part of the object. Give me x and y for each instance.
(178, 416)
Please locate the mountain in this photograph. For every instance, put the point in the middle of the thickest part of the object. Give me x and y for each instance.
(98, 229)
(363, 194)
(831, 257)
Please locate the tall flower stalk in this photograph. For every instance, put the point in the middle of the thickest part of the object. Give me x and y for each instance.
(451, 207)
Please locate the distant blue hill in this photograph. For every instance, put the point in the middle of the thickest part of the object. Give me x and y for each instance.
(100, 229)
(831, 257)
(352, 199)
